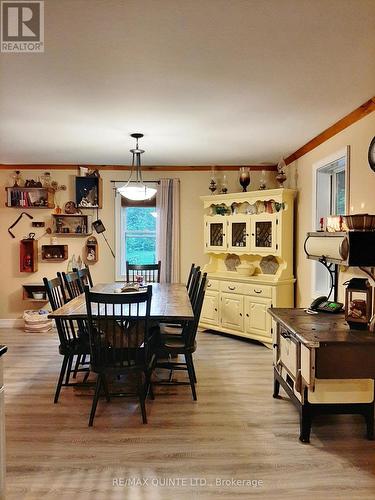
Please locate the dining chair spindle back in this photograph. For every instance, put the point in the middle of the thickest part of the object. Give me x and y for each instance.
(72, 341)
(150, 272)
(120, 343)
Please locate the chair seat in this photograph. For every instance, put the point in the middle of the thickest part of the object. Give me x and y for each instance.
(175, 345)
(170, 329)
(75, 346)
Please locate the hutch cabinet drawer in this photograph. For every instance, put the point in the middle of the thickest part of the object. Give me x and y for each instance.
(232, 287)
(257, 290)
(288, 352)
(213, 284)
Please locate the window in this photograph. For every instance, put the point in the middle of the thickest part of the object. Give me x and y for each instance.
(330, 190)
(330, 198)
(140, 234)
(135, 233)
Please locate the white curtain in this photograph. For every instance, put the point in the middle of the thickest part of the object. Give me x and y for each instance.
(168, 229)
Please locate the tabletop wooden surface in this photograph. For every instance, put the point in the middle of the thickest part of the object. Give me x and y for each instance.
(170, 302)
(314, 329)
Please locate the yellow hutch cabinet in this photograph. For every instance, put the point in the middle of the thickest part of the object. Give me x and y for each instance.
(249, 240)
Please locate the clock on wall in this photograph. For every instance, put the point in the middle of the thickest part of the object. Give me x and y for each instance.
(371, 154)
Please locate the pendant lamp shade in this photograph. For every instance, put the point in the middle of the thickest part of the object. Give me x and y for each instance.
(135, 189)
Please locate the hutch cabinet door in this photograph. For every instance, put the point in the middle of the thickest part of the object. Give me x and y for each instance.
(257, 318)
(210, 309)
(264, 234)
(232, 311)
(215, 233)
(238, 233)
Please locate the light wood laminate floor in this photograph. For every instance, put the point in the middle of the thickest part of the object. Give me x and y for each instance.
(234, 431)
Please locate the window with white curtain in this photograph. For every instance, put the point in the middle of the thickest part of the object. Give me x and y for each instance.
(136, 239)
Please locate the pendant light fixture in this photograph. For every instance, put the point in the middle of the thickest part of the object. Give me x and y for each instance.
(135, 189)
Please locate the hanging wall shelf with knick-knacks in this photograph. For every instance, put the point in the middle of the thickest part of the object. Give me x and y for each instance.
(91, 252)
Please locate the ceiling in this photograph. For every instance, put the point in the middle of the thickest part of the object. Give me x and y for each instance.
(207, 81)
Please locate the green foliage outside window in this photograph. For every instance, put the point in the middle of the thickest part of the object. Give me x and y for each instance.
(140, 235)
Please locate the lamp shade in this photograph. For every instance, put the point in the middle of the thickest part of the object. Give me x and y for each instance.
(137, 193)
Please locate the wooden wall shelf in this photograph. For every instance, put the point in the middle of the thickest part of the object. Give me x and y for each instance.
(29, 288)
(91, 250)
(72, 225)
(89, 192)
(32, 197)
(28, 255)
(54, 253)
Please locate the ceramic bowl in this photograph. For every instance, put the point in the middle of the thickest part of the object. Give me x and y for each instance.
(245, 269)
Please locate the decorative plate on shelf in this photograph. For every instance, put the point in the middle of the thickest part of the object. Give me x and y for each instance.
(232, 261)
(269, 265)
(70, 208)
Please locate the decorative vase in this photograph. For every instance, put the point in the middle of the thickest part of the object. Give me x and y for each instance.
(281, 178)
(213, 184)
(212, 187)
(224, 188)
(18, 179)
(244, 178)
(262, 182)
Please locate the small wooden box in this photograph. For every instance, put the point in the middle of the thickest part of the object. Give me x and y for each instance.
(89, 192)
(35, 197)
(29, 289)
(54, 253)
(91, 250)
(28, 255)
(72, 224)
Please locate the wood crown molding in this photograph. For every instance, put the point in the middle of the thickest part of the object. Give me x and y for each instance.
(356, 115)
(153, 168)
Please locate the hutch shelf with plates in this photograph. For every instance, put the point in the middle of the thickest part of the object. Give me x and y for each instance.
(249, 240)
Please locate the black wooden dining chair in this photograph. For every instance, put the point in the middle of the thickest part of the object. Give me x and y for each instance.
(72, 283)
(120, 342)
(72, 341)
(190, 275)
(194, 284)
(194, 278)
(85, 276)
(183, 343)
(150, 272)
(73, 287)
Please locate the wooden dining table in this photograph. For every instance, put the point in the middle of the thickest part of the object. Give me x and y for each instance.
(170, 302)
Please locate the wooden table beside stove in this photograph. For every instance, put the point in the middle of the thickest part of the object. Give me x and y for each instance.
(323, 366)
